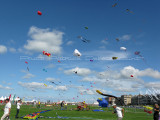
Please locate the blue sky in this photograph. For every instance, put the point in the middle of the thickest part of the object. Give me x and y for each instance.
(24, 33)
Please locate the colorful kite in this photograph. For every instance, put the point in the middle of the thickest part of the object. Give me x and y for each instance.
(46, 53)
(127, 10)
(45, 85)
(77, 53)
(102, 102)
(137, 53)
(39, 13)
(26, 62)
(44, 70)
(83, 39)
(114, 58)
(131, 75)
(86, 28)
(110, 96)
(33, 116)
(114, 5)
(91, 60)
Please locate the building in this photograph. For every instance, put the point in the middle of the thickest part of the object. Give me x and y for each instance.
(126, 99)
(111, 100)
(145, 99)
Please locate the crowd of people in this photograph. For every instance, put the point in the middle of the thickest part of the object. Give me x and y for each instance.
(117, 110)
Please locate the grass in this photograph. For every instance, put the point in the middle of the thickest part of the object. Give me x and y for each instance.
(131, 114)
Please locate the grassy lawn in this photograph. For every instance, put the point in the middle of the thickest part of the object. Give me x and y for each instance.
(73, 114)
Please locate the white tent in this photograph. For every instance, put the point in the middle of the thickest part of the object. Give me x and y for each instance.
(16, 99)
(2, 98)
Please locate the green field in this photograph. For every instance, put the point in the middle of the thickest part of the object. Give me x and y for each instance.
(72, 113)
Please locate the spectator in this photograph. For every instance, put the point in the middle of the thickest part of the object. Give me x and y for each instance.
(7, 110)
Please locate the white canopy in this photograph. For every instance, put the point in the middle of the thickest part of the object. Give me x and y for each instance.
(2, 98)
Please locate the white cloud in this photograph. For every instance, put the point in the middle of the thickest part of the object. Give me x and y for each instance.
(63, 88)
(125, 37)
(155, 85)
(105, 54)
(44, 40)
(50, 66)
(80, 71)
(51, 79)
(69, 43)
(6, 88)
(102, 47)
(150, 73)
(35, 85)
(28, 76)
(104, 42)
(13, 50)
(3, 49)
(120, 89)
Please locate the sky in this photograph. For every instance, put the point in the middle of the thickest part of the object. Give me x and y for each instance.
(24, 35)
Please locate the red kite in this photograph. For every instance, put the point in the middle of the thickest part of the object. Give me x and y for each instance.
(39, 13)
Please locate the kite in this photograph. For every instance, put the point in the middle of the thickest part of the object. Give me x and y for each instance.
(91, 85)
(44, 70)
(117, 39)
(59, 61)
(13, 98)
(81, 93)
(33, 116)
(114, 58)
(91, 60)
(131, 75)
(114, 5)
(77, 53)
(26, 62)
(86, 28)
(87, 89)
(39, 13)
(83, 39)
(137, 53)
(127, 10)
(54, 83)
(110, 96)
(9, 97)
(75, 72)
(102, 102)
(45, 85)
(123, 48)
(27, 68)
(46, 53)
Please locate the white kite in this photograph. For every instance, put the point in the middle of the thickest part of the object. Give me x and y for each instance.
(76, 53)
(123, 48)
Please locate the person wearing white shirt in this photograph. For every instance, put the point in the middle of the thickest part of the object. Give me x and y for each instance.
(7, 110)
(119, 111)
(18, 108)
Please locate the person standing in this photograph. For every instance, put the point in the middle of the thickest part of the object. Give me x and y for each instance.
(119, 111)
(7, 110)
(62, 105)
(156, 112)
(18, 108)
